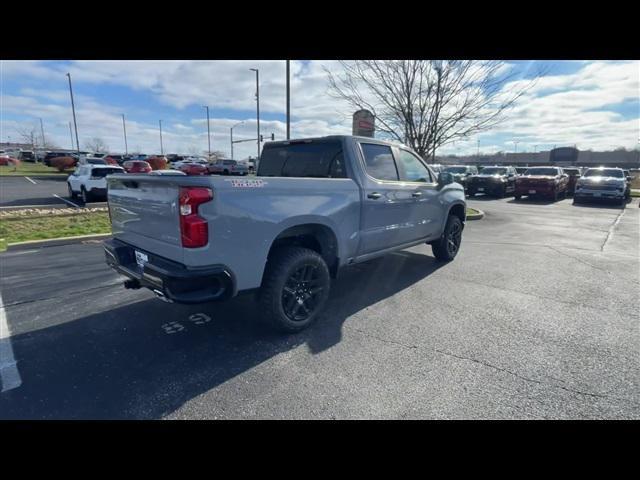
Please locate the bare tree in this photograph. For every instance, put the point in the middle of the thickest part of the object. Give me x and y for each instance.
(427, 104)
(33, 136)
(96, 144)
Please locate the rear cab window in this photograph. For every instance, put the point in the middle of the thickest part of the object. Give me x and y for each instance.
(311, 159)
(103, 172)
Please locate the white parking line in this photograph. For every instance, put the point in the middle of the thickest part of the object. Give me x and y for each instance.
(65, 200)
(31, 180)
(9, 373)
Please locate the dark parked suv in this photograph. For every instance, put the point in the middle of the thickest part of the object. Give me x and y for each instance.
(461, 173)
(496, 181)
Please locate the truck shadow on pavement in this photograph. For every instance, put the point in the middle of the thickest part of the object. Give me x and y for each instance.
(144, 360)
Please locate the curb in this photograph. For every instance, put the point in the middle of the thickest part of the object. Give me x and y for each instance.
(477, 216)
(54, 242)
(11, 208)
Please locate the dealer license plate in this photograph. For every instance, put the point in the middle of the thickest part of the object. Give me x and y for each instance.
(532, 191)
(481, 189)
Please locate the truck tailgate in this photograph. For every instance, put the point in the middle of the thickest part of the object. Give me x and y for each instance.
(144, 213)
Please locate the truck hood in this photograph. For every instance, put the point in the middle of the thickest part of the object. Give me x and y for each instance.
(544, 178)
(601, 180)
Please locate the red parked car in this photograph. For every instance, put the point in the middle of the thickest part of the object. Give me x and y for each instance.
(549, 182)
(194, 169)
(6, 160)
(136, 166)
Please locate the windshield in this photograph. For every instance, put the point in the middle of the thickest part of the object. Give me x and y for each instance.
(96, 161)
(572, 171)
(604, 172)
(456, 169)
(493, 171)
(542, 171)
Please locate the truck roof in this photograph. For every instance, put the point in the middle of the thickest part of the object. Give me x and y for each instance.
(336, 137)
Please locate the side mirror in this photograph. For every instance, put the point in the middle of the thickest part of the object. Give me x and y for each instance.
(629, 179)
(444, 178)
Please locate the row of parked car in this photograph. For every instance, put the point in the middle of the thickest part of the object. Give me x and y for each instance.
(550, 182)
(88, 181)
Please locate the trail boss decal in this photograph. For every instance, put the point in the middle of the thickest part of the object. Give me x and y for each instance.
(246, 183)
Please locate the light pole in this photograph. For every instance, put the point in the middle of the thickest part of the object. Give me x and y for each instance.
(208, 131)
(124, 129)
(288, 103)
(240, 123)
(161, 148)
(73, 109)
(516, 142)
(42, 130)
(257, 110)
(71, 134)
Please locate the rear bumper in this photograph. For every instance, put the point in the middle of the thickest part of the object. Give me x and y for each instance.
(168, 279)
(98, 192)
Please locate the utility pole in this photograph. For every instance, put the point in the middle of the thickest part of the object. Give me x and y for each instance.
(478, 150)
(161, 148)
(73, 109)
(124, 129)
(288, 103)
(257, 111)
(208, 131)
(515, 142)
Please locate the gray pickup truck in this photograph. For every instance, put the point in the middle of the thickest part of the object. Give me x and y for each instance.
(315, 206)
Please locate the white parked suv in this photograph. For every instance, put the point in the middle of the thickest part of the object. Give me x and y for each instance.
(90, 181)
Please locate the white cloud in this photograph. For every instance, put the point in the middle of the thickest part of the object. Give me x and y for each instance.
(561, 109)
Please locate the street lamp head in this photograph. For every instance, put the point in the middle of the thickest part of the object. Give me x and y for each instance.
(253, 69)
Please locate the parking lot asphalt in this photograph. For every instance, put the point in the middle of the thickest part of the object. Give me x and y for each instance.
(28, 191)
(537, 317)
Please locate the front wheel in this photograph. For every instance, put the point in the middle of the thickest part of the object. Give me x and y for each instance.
(517, 197)
(447, 247)
(85, 195)
(295, 288)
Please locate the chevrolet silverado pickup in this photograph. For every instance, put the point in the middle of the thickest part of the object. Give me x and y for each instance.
(316, 205)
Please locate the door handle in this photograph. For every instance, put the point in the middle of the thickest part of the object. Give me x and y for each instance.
(416, 194)
(374, 195)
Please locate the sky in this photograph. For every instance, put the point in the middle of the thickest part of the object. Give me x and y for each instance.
(590, 104)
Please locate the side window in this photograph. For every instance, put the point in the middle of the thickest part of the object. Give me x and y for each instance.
(412, 169)
(379, 161)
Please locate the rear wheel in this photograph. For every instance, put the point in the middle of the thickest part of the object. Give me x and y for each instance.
(295, 288)
(226, 172)
(447, 247)
(517, 197)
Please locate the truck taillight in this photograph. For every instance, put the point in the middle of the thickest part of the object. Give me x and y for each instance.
(193, 228)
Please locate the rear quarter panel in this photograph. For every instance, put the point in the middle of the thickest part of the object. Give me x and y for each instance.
(247, 215)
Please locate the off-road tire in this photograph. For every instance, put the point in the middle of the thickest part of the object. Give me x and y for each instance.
(283, 264)
(441, 248)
